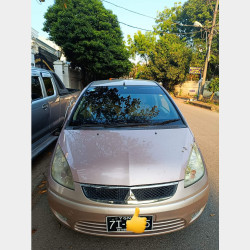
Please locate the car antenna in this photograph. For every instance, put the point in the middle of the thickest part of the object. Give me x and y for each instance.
(124, 83)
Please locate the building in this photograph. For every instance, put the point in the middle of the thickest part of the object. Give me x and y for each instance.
(44, 52)
(47, 55)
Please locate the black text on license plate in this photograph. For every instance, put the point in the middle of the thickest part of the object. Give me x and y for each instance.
(118, 223)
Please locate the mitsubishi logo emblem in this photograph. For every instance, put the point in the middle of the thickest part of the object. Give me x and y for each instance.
(130, 197)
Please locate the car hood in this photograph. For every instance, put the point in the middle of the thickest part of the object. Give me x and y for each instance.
(127, 157)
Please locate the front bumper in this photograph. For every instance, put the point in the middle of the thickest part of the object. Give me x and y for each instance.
(74, 210)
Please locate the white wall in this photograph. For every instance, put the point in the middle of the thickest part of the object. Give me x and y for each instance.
(58, 67)
(71, 78)
(187, 88)
(190, 88)
(75, 79)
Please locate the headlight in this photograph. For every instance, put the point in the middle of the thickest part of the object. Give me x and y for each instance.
(195, 168)
(60, 170)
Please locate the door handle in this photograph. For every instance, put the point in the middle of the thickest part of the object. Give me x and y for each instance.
(45, 106)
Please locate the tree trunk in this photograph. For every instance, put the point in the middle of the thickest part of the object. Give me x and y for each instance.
(209, 48)
(212, 96)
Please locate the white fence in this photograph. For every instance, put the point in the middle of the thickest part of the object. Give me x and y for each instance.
(190, 88)
(70, 77)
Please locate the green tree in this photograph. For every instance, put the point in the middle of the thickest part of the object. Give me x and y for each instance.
(213, 87)
(170, 61)
(140, 71)
(176, 44)
(166, 20)
(90, 37)
(180, 19)
(142, 45)
(201, 11)
(195, 10)
(144, 72)
(165, 60)
(197, 60)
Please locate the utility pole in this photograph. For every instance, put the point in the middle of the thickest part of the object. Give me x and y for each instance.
(208, 51)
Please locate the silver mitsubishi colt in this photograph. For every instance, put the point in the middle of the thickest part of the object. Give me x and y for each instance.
(125, 144)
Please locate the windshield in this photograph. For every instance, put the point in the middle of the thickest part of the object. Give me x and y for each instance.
(107, 105)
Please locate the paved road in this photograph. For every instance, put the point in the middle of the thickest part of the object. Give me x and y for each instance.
(202, 234)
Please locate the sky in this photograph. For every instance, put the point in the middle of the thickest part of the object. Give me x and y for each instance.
(146, 7)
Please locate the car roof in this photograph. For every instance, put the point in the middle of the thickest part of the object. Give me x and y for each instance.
(35, 69)
(121, 82)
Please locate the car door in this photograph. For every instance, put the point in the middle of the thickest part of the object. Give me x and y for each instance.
(65, 97)
(40, 109)
(53, 100)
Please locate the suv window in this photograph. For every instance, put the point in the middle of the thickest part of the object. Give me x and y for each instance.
(59, 82)
(61, 88)
(48, 86)
(36, 88)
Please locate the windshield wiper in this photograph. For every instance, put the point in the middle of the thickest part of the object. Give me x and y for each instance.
(85, 125)
(138, 124)
(165, 122)
(110, 125)
(122, 124)
(132, 124)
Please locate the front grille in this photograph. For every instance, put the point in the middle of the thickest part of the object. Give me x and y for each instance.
(116, 195)
(122, 195)
(159, 227)
(154, 192)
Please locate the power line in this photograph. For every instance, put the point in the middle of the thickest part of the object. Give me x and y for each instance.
(143, 14)
(181, 33)
(173, 23)
(135, 27)
(155, 32)
(128, 10)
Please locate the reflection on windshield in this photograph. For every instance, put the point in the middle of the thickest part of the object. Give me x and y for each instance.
(123, 104)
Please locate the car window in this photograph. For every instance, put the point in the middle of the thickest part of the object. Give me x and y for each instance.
(59, 82)
(164, 103)
(48, 86)
(61, 88)
(123, 104)
(36, 91)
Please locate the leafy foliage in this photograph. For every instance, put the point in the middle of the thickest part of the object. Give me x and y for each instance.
(170, 60)
(176, 44)
(142, 45)
(214, 85)
(201, 11)
(166, 20)
(167, 59)
(90, 37)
